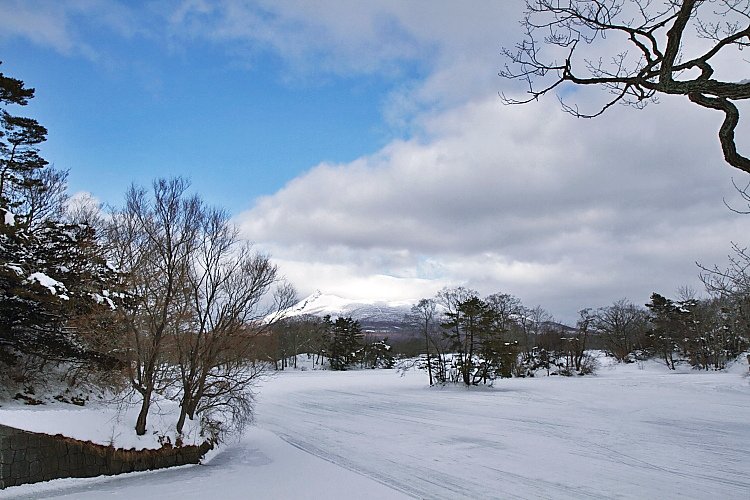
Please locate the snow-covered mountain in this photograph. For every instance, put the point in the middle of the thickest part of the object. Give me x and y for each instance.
(378, 315)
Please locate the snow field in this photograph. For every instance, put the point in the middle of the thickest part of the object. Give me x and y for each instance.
(624, 433)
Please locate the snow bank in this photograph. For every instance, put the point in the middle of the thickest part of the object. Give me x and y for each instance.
(101, 423)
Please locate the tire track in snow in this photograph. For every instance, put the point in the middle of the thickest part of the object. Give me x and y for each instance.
(417, 481)
(454, 487)
(583, 438)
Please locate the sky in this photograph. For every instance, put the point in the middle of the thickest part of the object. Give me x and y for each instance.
(365, 147)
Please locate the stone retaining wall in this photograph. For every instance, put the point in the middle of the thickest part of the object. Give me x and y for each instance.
(30, 457)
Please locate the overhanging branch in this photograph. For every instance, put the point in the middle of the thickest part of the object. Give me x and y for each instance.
(726, 132)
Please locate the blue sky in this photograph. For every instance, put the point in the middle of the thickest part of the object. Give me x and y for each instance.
(364, 146)
(237, 129)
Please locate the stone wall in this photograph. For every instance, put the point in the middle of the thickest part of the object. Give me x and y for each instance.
(30, 457)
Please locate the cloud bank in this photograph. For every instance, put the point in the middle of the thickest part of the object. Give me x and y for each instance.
(526, 200)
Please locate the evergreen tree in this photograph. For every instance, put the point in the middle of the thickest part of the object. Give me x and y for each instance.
(668, 321)
(465, 328)
(51, 270)
(377, 354)
(705, 333)
(498, 353)
(20, 162)
(345, 339)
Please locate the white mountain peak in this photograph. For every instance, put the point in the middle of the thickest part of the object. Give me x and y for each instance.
(320, 304)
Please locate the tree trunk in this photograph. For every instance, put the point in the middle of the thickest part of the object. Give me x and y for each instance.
(140, 423)
(181, 420)
(429, 363)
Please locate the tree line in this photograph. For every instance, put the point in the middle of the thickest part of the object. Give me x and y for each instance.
(471, 340)
(338, 344)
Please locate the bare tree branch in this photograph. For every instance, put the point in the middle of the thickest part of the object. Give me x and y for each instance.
(658, 31)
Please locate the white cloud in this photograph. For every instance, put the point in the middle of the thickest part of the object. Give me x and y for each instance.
(528, 200)
(42, 27)
(61, 25)
(434, 55)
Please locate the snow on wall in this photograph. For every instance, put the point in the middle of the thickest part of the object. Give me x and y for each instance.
(30, 457)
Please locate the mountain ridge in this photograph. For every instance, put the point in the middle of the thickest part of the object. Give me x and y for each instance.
(320, 304)
(375, 316)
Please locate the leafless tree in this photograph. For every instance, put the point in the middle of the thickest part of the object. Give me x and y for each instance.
(42, 197)
(85, 209)
(621, 326)
(584, 326)
(734, 280)
(732, 286)
(291, 336)
(506, 308)
(636, 50)
(152, 240)
(227, 283)
(423, 315)
(577, 343)
(532, 321)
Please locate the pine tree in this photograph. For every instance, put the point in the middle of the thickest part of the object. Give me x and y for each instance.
(51, 270)
(20, 161)
(465, 328)
(345, 339)
(377, 354)
(668, 320)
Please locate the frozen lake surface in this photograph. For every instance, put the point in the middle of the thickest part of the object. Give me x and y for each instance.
(624, 433)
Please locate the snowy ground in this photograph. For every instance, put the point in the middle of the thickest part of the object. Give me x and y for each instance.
(625, 433)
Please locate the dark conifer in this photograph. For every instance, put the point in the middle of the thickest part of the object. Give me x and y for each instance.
(51, 270)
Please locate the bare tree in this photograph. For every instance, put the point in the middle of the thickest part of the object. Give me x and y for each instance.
(152, 240)
(291, 336)
(85, 209)
(732, 286)
(42, 197)
(621, 327)
(423, 315)
(507, 310)
(227, 282)
(538, 337)
(577, 343)
(651, 48)
(733, 281)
